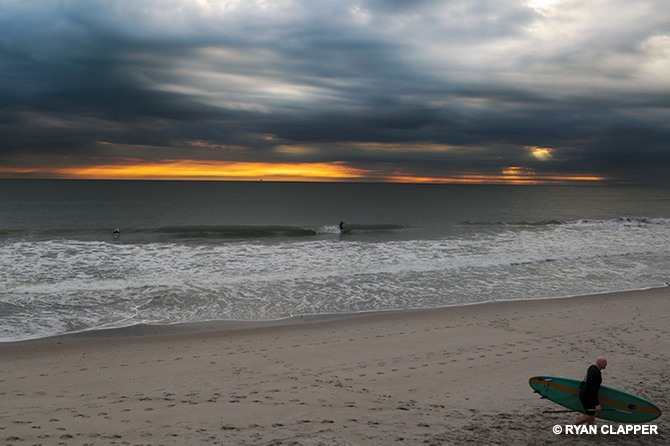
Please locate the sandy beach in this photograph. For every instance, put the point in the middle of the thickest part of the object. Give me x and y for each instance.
(431, 377)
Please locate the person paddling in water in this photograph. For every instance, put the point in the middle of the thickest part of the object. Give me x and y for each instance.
(588, 391)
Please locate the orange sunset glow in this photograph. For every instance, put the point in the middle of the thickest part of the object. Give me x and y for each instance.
(334, 171)
(211, 170)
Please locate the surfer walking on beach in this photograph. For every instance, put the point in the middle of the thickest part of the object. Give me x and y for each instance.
(588, 391)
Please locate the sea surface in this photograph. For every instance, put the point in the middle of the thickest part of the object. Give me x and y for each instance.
(241, 251)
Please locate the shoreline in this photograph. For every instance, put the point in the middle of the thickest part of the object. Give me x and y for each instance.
(452, 375)
(203, 327)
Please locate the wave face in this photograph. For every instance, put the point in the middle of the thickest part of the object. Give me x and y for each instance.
(63, 279)
(190, 233)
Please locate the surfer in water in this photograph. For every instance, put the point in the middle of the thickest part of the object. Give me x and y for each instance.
(588, 391)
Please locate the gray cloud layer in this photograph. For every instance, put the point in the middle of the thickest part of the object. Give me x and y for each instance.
(484, 78)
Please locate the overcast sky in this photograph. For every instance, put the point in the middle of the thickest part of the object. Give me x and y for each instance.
(368, 90)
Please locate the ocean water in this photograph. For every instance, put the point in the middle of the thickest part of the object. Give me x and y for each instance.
(218, 251)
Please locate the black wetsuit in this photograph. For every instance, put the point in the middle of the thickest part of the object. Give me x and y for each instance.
(588, 390)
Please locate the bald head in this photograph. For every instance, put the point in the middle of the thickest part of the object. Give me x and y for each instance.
(601, 362)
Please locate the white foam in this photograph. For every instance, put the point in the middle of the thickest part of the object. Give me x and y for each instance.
(330, 229)
(56, 286)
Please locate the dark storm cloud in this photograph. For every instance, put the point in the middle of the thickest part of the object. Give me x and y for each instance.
(485, 79)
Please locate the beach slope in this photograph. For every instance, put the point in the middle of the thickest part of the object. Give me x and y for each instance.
(447, 376)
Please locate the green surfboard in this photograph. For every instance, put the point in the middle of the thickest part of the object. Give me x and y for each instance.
(616, 405)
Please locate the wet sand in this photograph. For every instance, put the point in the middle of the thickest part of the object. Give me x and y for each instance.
(448, 376)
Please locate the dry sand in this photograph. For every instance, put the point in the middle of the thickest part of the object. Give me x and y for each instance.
(438, 377)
